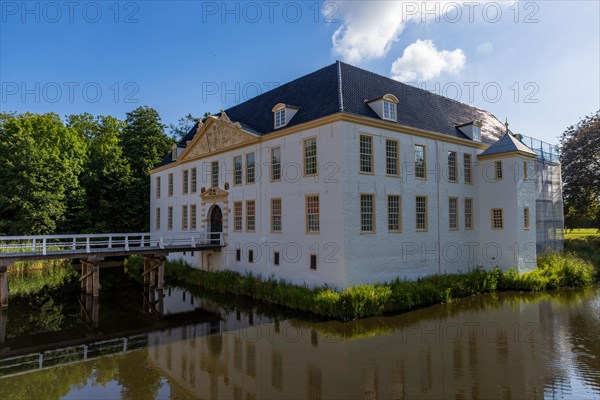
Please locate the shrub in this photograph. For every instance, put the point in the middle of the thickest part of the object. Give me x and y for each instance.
(555, 270)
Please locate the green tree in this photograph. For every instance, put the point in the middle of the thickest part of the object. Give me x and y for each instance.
(106, 175)
(184, 124)
(42, 160)
(580, 159)
(144, 146)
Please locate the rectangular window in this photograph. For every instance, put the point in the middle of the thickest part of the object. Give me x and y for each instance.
(194, 180)
(389, 110)
(394, 213)
(237, 170)
(184, 218)
(367, 211)
(251, 256)
(185, 181)
(498, 169)
(276, 164)
(310, 156)
(421, 213)
(276, 258)
(275, 215)
(313, 262)
(453, 213)
(497, 218)
(526, 218)
(250, 215)
(525, 172)
(280, 118)
(312, 213)
(193, 217)
(420, 161)
(468, 213)
(237, 216)
(391, 158)
(366, 154)
(452, 173)
(170, 218)
(170, 187)
(238, 254)
(214, 172)
(157, 222)
(158, 187)
(468, 168)
(250, 168)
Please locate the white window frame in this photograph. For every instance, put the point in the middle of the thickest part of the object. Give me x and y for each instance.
(313, 225)
(451, 211)
(280, 118)
(397, 212)
(392, 160)
(367, 213)
(310, 159)
(425, 213)
(390, 111)
(365, 150)
(276, 166)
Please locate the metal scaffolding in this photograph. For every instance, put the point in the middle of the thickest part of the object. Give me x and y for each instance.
(549, 218)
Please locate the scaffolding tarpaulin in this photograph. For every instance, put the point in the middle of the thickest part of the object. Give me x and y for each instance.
(549, 218)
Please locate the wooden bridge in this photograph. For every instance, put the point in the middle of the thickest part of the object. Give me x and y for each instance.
(94, 248)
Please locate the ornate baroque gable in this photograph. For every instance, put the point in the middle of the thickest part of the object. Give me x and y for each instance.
(216, 134)
(213, 195)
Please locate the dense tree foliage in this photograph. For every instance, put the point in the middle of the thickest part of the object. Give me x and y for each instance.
(580, 159)
(144, 146)
(106, 177)
(39, 178)
(87, 174)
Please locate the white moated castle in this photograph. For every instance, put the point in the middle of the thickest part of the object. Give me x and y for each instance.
(344, 177)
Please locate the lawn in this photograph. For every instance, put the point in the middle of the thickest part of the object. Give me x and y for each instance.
(581, 233)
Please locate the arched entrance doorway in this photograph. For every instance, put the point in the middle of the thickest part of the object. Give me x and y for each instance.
(216, 224)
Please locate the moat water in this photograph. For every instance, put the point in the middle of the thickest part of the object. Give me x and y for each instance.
(179, 344)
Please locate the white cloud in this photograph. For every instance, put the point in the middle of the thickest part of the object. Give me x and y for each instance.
(423, 61)
(369, 28)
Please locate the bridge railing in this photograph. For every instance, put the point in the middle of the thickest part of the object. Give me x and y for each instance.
(71, 354)
(104, 242)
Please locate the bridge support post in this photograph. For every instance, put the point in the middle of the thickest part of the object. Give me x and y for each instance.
(3, 286)
(146, 270)
(3, 322)
(90, 276)
(90, 310)
(154, 271)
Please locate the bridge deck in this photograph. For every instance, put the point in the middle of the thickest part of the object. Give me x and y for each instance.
(28, 248)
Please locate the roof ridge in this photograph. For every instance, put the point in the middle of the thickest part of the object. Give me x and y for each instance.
(425, 90)
(341, 93)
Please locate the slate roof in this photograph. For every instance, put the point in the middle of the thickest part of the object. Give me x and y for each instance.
(507, 144)
(342, 88)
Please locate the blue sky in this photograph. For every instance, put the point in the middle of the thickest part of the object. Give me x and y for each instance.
(536, 63)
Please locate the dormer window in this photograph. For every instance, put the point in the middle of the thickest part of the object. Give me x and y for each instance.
(174, 152)
(279, 118)
(282, 114)
(385, 107)
(471, 129)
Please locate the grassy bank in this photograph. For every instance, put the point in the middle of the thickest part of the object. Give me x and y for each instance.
(27, 278)
(582, 233)
(587, 248)
(555, 270)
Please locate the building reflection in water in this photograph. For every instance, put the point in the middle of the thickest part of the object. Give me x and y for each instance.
(480, 351)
